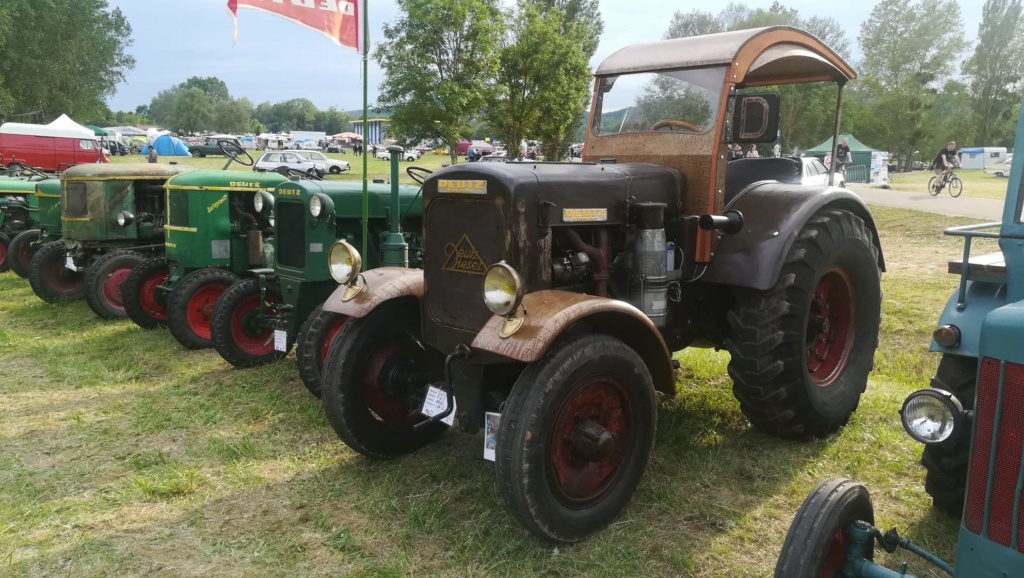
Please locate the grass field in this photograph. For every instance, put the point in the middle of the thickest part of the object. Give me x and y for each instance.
(977, 183)
(122, 454)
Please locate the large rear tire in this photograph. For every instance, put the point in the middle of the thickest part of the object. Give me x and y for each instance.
(50, 280)
(21, 251)
(139, 291)
(190, 305)
(5, 257)
(575, 437)
(817, 541)
(370, 412)
(237, 330)
(801, 351)
(946, 467)
(315, 338)
(103, 280)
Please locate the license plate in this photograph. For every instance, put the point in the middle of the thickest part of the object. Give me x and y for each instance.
(280, 340)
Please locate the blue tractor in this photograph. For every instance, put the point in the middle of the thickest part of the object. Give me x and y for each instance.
(971, 422)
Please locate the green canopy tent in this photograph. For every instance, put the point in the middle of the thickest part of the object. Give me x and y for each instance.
(860, 152)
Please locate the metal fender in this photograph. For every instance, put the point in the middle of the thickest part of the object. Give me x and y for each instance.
(549, 313)
(774, 214)
(981, 299)
(379, 285)
(1000, 334)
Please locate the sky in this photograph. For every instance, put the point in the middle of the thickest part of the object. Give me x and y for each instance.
(276, 60)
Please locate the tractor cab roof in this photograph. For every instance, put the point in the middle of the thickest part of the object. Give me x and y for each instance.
(123, 172)
(212, 180)
(756, 57)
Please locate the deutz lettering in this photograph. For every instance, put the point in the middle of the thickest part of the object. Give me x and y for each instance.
(344, 6)
(462, 257)
(460, 186)
(244, 184)
(289, 193)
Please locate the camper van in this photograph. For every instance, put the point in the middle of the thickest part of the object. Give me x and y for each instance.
(50, 147)
(982, 157)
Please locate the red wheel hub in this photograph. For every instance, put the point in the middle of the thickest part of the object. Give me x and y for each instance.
(329, 339)
(61, 279)
(24, 255)
(389, 410)
(3, 254)
(835, 558)
(200, 308)
(147, 294)
(112, 287)
(830, 327)
(590, 441)
(250, 337)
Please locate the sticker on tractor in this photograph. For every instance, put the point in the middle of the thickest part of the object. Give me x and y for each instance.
(462, 257)
(584, 215)
(280, 340)
(69, 263)
(461, 186)
(316, 247)
(491, 422)
(436, 402)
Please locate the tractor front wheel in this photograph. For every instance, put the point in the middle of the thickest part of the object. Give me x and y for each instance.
(375, 380)
(817, 541)
(139, 291)
(575, 437)
(103, 281)
(51, 281)
(801, 351)
(190, 305)
(5, 257)
(21, 251)
(315, 338)
(946, 466)
(238, 329)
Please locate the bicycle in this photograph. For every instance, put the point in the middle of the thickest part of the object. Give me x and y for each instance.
(948, 179)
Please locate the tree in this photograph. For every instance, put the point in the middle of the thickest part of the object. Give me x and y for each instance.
(231, 115)
(193, 110)
(438, 60)
(908, 51)
(214, 88)
(995, 71)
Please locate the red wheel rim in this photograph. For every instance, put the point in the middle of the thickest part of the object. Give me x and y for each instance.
(61, 279)
(24, 255)
(250, 338)
(3, 253)
(329, 339)
(830, 327)
(580, 480)
(387, 409)
(112, 287)
(147, 294)
(200, 308)
(835, 559)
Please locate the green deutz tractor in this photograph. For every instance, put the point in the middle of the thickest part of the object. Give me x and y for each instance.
(219, 225)
(47, 223)
(310, 217)
(113, 218)
(970, 421)
(18, 210)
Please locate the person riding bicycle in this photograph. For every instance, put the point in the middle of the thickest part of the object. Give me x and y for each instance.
(843, 156)
(947, 159)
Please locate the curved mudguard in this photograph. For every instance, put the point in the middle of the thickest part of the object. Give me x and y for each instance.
(773, 215)
(379, 285)
(550, 312)
(981, 299)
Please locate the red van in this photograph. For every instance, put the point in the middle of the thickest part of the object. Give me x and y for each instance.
(50, 147)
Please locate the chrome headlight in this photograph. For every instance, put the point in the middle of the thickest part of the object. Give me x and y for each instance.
(257, 201)
(932, 416)
(344, 262)
(320, 205)
(503, 289)
(124, 218)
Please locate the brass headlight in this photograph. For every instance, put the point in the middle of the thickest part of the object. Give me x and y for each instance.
(503, 289)
(344, 262)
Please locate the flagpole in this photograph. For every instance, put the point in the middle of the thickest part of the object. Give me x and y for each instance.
(366, 124)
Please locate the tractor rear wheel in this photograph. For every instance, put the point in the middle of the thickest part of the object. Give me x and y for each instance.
(801, 351)
(817, 540)
(315, 338)
(375, 368)
(946, 466)
(21, 251)
(139, 290)
(5, 257)
(237, 328)
(51, 281)
(190, 305)
(103, 281)
(575, 437)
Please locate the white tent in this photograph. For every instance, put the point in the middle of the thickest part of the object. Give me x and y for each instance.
(63, 127)
(126, 130)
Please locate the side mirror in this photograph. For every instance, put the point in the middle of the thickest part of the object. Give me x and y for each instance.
(755, 117)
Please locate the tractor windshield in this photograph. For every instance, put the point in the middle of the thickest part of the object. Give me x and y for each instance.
(676, 100)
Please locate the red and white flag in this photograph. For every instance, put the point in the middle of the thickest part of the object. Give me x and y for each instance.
(336, 19)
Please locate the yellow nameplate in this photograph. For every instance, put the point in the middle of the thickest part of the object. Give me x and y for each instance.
(460, 186)
(584, 215)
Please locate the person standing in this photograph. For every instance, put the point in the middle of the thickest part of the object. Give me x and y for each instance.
(152, 153)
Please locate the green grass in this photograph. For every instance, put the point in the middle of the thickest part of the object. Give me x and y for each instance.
(977, 183)
(123, 454)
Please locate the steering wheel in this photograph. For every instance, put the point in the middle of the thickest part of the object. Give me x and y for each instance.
(418, 174)
(21, 167)
(235, 152)
(297, 174)
(677, 124)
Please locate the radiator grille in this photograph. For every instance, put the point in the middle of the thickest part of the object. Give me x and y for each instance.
(290, 237)
(76, 204)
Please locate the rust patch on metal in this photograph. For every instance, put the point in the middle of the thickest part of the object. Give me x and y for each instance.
(381, 284)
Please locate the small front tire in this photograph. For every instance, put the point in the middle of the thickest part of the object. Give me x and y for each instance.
(190, 305)
(946, 467)
(238, 333)
(103, 280)
(51, 281)
(315, 338)
(21, 251)
(142, 302)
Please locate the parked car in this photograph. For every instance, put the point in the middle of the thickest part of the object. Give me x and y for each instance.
(815, 173)
(272, 161)
(1001, 170)
(336, 148)
(407, 155)
(212, 146)
(333, 166)
(310, 145)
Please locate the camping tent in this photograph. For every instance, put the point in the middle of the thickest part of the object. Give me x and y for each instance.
(860, 152)
(169, 146)
(127, 130)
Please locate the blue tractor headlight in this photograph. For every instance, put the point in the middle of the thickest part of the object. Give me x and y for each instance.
(932, 416)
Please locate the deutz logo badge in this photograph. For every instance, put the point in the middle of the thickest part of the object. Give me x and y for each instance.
(460, 186)
(462, 257)
(584, 215)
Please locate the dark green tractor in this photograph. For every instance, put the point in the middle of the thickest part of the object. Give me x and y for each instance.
(112, 218)
(261, 317)
(47, 227)
(18, 209)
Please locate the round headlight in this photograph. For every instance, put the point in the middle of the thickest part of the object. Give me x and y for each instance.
(257, 201)
(344, 262)
(124, 218)
(931, 416)
(316, 206)
(503, 289)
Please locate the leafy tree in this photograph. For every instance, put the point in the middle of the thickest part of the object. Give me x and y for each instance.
(232, 116)
(949, 116)
(213, 87)
(161, 107)
(193, 110)
(332, 121)
(438, 60)
(995, 71)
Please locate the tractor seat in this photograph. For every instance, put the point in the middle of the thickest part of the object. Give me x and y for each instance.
(741, 173)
